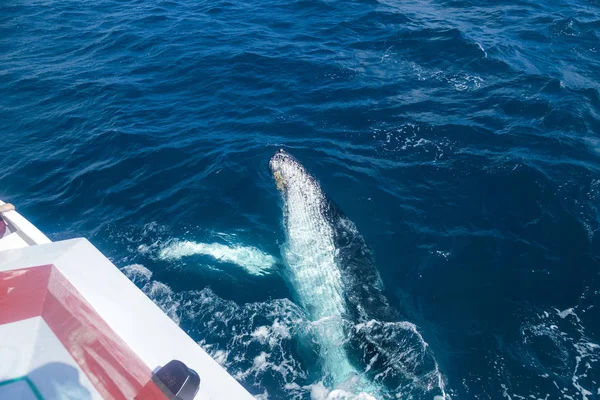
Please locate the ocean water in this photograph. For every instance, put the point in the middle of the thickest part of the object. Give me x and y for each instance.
(462, 138)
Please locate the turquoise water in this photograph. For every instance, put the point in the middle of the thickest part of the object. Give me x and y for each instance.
(461, 138)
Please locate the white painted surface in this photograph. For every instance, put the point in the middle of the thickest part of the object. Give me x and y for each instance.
(12, 241)
(29, 233)
(34, 255)
(30, 348)
(17, 341)
(17, 391)
(133, 316)
(54, 372)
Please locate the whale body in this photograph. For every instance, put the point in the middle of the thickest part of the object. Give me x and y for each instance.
(312, 253)
(362, 346)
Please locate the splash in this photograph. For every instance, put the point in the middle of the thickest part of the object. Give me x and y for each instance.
(252, 260)
(254, 341)
(160, 293)
(258, 344)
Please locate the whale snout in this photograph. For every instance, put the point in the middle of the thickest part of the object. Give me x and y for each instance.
(283, 166)
(279, 160)
(289, 174)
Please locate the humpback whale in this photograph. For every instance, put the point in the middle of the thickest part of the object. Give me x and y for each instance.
(330, 271)
(320, 251)
(309, 254)
(362, 347)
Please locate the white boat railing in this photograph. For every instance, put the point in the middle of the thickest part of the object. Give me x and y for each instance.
(21, 233)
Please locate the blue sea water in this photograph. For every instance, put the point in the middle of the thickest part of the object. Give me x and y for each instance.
(461, 137)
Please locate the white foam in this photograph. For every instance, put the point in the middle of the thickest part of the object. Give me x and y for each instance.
(164, 297)
(557, 345)
(252, 341)
(251, 259)
(220, 356)
(256, 343)
(405, 353)
(318, 391)
(463, 82)
(137, 272)
(160, 293)
(412, 138)
(565, 313)
(460, 81)
(482, 49)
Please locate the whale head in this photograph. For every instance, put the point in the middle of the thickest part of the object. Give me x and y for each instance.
(289, 174)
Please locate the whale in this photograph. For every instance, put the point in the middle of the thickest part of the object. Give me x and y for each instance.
(353, 344)
(326, 265)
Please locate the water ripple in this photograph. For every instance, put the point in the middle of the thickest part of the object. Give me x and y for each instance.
(460, 136)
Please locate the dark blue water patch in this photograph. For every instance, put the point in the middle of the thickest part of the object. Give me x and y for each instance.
(461, 138)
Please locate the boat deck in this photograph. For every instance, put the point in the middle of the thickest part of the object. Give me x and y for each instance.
(71, 322)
